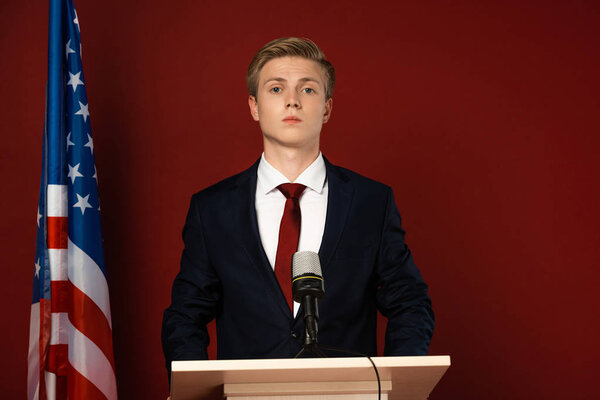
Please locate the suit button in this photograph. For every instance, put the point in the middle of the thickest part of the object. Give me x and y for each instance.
(294, 335)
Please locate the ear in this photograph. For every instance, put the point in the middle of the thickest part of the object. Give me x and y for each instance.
(253, 107)
(328, 108)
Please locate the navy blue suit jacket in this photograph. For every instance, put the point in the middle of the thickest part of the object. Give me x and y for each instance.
(226, 275)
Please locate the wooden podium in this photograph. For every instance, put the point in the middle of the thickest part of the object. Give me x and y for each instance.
(402, 378)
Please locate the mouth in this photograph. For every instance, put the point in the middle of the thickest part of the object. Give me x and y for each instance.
(292, 120)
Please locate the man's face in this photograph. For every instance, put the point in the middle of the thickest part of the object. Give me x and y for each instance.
(290, 103)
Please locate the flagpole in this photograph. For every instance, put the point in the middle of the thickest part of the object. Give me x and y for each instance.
(55, 90)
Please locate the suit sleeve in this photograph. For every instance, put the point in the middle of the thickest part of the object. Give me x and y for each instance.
(195, 297)
(401, 291)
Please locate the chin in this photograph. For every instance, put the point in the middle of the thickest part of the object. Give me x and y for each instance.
(292, 138)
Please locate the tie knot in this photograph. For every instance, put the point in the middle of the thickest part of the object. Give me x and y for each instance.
(291, 190)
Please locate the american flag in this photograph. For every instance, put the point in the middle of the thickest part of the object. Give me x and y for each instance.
(70, 339)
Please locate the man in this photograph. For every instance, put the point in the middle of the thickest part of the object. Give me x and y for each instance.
(240, 233)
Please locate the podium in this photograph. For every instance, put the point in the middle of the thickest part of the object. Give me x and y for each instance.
(402, 378)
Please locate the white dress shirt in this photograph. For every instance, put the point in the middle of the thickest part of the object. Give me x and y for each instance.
(270, 203)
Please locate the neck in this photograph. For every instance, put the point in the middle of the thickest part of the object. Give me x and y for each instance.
(291, 162)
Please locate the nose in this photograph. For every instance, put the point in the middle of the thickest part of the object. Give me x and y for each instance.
(293, 101)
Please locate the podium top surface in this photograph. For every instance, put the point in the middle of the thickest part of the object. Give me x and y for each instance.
(411, 377)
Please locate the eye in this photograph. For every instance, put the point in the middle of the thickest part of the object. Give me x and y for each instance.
(276, 89)
(309, 90)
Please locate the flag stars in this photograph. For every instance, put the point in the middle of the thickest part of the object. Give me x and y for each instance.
(90, 143)
(82, 203)
(95, 176)
(68, 49)
(83, 111)
(69, 143)
(37, 268)
(39, 217)
(74, 173)
(74, 81)
(76, 20)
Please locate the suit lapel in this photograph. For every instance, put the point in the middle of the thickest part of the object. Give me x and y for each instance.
(338, 204)
(250, 237)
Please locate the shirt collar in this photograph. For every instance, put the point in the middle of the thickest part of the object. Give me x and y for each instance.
(312, 177)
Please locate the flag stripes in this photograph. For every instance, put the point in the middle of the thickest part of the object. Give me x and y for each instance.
(81, 388)
(59, 268)
(33, 359)
(87, 318)
(88, 360)
(86, 275)
(57, 232)
(57, 201)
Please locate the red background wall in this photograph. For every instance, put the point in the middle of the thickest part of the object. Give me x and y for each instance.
(482, 115)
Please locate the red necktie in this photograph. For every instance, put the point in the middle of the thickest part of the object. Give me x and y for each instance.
(289, 234)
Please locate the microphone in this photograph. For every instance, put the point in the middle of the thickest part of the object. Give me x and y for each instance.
(307, 288)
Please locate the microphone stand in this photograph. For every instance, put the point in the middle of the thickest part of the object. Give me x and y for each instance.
(310, 347)
(311, 316)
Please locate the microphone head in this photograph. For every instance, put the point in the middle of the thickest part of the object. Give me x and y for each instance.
(307, 278)
(306, 262)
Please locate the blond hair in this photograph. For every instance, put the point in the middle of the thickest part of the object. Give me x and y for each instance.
(289, 46)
